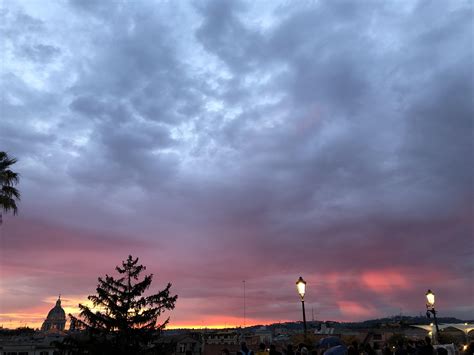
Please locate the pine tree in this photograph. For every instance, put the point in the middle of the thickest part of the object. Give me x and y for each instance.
(123, 320)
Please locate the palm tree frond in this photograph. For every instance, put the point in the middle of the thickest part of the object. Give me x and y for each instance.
(9, 195)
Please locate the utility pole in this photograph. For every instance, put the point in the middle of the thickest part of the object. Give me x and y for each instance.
(245, 315)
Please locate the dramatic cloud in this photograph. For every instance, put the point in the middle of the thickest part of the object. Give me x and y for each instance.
(223, 141)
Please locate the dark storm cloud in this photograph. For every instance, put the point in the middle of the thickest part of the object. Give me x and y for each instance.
(221, 23)
(334, 70)
(39, 52)
(20, 107)
(28, 44)
(19, 24)
(329, 139)
(362, 154)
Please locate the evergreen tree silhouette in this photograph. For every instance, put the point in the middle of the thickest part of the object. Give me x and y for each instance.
(122, 320)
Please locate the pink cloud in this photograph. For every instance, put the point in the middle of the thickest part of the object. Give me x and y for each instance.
(384, 281)
(354, 310)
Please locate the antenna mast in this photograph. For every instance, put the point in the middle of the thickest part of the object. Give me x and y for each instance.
(244, 305)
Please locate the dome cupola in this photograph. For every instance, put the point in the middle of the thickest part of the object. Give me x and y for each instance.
(56, 319)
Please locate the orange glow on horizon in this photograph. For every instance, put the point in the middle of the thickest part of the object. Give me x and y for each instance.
(221, 322)
(35, 316)
(35, 320)
(196, 326)
(17, 320)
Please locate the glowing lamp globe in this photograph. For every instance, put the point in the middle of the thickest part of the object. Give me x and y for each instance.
(430, 298)
(301, 287)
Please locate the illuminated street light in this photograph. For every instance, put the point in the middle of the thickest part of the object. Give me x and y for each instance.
(430, 299)
(301, 287)
(430, 309)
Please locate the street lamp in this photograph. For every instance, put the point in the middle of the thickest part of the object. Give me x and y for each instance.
(301, 287)
(430, 309)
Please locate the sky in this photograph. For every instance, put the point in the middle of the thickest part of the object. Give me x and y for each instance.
(223, 141)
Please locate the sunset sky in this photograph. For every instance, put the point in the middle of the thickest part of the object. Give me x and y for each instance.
(222, 141)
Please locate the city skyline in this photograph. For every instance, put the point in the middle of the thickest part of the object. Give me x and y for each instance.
(70, 307)
(222, 141)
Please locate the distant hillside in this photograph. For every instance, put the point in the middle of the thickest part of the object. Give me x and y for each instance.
(398, 321)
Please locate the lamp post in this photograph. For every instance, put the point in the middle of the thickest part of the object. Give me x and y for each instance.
(430, 309)
(301, 287)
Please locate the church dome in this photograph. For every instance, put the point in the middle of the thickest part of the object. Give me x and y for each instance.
(57, 312)
(56, 319)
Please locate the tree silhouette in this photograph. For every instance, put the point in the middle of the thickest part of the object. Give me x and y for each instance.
(8, 180)
(123, 320)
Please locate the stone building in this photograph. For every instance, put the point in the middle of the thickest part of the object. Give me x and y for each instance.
(56, 319)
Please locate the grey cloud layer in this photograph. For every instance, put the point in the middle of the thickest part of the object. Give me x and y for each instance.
(266, 131)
